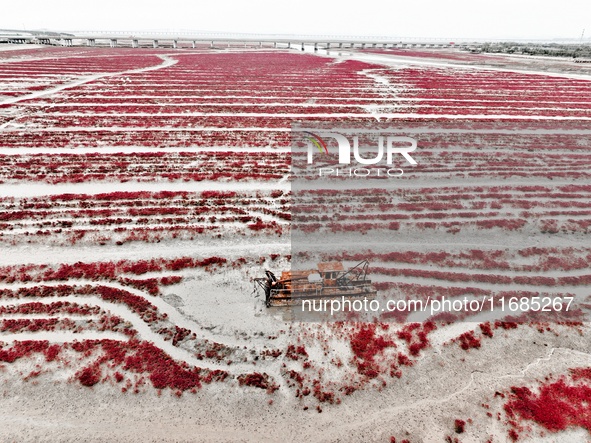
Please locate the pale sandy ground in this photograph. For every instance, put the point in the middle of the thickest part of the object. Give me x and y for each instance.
(421, 406)
(9, 47)
(446, 382)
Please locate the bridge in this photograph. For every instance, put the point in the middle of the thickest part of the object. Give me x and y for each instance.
(173, 39)
(176, 39)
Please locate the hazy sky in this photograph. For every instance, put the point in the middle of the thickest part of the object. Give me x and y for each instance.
(411, 18)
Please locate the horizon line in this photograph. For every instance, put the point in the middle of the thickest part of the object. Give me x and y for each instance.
(204, 33)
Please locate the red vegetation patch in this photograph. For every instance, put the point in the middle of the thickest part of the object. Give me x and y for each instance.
(146, 310)
(366, 345)
(273, 353)
(22, 349)
(133, 356)
(486, 330)
(107, 270)
(89, 376)
(179, 335)
(295, 352)
(52, 352)
(150, 285)
(172, 280)
(556, 406)
(468, 340)
(144, 357)
(258, 380)
(59, 307)
(32, 325)
(513, 435)
(412, 330)
(505, 325)
(321, 395)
